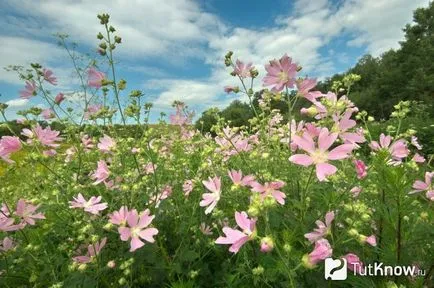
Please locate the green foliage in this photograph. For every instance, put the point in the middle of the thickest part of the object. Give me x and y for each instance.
(236, 114)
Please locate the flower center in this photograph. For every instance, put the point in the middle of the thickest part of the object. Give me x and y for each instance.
(283, 76)
(319, 156)
(135, 232)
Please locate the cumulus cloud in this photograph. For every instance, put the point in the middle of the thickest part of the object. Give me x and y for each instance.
(15, 103)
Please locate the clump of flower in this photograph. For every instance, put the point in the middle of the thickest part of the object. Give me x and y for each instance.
(95, 78)
(211, 199)
(280, 73)
(49, 76)
(9, 145)
(136, 229)
(420, 186)
(92, 251)
(106, 144)
(237, 238)
(101, 173)
(29, 90)
(319, 156)
(321, 251)
(26, 212)
(270, 189)
(397, 149)
(323, 228)
(92, 206)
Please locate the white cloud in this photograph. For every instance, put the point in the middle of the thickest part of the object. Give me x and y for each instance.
(23, 51)
(175, 30)
(14, 103)
(172, 27)
(377, 23)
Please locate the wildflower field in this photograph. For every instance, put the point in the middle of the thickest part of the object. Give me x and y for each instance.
(111, 200)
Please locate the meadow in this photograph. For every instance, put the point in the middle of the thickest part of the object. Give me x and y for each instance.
(105, 203)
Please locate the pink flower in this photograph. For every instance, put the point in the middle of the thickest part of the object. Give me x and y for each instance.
(294, 129)
(267, 244)
(46, 137)
(167, 191)
(238, 179)
(270, 189)
(49, 153)
(49, 77)
(8, 145)
(101, 173)
(29, 90)
(120, 217)
(92, 251)
(211, 199)
(304, 86)
(321, 251)
(95, 78)
(59, 98)
(7, 225)
(47, 114)
(280, 73)
(205, 229)
(70, 152)
(415, 143)
(242, 69)
(322, 230)
(320, 156)
(356, 191)
(418, 158)
(229, 89)
(106, 144)
(27, 212)
(7, 244)
(92, 110)
(360, 169)
(343, 124)
(427, 186)
(87, 143)
(93, 205)
(237, 238)
(136, 229)
(371, 240)
(353, 262)
(398, 149)
(187, 187)
(150, 168)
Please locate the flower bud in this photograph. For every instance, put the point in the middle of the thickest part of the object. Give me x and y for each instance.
(306, 263)
(258, 271)
(267, 244)
(122, 281)
(82, 267)
(111, 264)
(287, 248)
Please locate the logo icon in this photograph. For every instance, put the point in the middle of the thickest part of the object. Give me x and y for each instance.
(335, 269)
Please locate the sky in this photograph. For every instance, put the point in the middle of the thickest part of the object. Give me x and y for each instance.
(174, 49)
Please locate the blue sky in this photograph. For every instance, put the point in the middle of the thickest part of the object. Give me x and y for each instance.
(174, 49)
